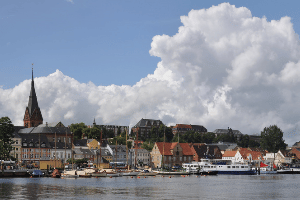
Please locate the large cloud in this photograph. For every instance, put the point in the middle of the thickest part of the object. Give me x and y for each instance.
(224, 68)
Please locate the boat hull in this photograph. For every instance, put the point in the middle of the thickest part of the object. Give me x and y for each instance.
(112, 174)
(288, 171)
(237, 172)
(207, 173)
(99, 174)
(172, 173)
(130, 173)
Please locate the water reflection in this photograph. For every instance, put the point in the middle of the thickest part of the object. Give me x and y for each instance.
(192, 187)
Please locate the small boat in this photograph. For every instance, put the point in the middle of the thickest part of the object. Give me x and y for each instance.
(99, 174)
(147, 173)
(291, 170)
(56, 174)
(70, 174)
(171, 173)
(130, 173)
(37, 173)
(112, 174)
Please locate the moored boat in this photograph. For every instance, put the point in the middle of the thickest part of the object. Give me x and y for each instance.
(99, 174)
(56, 174)
(70, 174)
(291, 170)
(147, 173)
(206, 166)
(172, 173)
(130, 173)
(37, 173)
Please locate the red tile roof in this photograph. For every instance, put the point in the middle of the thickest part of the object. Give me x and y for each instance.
(183, 126)
(165, 148)
(229, 153)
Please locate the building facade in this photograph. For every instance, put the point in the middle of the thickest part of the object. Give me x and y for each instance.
(170, 154)
(143, 127)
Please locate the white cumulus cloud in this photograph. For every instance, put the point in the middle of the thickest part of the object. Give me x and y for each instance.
(224, 68)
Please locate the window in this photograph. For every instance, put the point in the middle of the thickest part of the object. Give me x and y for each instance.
(17, 149)
(184, 158)
(58, 139)
(64, 139)
(180, 158)
(69, 140)
(17, 142)
(24, 144)
(54, 139)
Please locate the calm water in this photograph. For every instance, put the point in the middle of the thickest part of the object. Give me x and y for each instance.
(192, 187)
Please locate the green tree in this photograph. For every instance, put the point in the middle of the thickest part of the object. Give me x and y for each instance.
(272, 139)
(92, 133)
(77, 130)
(244, 141)
(6, 135)
(208, 138)
(148, 146)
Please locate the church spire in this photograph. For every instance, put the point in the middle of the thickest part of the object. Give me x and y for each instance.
(32, 103)
(33, 116)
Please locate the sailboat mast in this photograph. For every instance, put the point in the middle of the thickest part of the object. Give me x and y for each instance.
(163, 158)
(127, 148)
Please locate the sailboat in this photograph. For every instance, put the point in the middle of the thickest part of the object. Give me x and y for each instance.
(129, 172)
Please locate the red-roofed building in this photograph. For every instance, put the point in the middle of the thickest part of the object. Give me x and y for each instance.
(244, 155)
(170, 154)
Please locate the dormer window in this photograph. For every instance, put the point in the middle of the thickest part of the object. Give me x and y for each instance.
(31, 144)
(25, 144)
(43, 144)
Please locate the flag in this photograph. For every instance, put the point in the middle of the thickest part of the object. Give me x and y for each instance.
(263, 165)
(274, 166)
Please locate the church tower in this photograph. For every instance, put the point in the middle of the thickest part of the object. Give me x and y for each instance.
(33, 116)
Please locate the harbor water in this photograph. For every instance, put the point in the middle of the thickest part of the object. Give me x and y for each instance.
(175, 187)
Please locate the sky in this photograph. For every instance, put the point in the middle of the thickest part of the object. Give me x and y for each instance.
(212, 63)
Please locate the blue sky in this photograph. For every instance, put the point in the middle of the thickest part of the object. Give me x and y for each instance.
(208, 63)
(106, 42)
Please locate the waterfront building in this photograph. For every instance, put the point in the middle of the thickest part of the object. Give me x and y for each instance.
(84, 153)
(203, 150)
(295, 154)
(35, 148)
(17, 145)
(139, 157)
(244, 155)
(60, 151)
(170, 154)
(144, 126)
(118, 153)
(282, 158)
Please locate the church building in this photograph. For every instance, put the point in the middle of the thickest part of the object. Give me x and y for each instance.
(33, 116)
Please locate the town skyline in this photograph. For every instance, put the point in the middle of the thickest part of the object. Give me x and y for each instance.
(234, 69)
